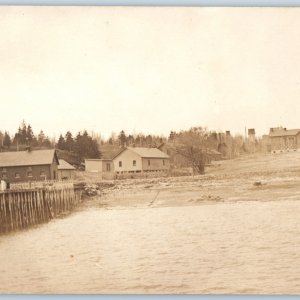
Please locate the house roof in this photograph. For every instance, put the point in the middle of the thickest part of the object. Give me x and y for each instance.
(97, 159)
(145, 152)
(284, 132)
(27, 158)
(63, 165)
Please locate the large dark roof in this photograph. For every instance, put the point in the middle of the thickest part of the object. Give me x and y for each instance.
(284, 132)
(27, 158)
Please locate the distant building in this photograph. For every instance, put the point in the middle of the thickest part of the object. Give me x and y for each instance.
(251, 135)
(282, 139)
(28, 165)
(65, 170)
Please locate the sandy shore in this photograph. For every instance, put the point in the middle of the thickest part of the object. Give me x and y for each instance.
(250, 178)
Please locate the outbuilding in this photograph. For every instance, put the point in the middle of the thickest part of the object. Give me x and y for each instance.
(65, 170)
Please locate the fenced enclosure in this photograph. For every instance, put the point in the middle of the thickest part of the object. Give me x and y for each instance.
(20, 209)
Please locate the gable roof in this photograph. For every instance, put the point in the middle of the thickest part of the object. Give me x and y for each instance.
(284, 132)
(63, 165)
(145, 152)
(27, 158)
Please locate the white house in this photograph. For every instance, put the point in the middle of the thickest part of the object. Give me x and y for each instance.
(140, 159)
(130, 160)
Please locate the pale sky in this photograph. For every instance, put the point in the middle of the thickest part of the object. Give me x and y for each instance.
(149, 70)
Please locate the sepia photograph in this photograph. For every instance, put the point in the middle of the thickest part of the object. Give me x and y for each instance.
(149, 150)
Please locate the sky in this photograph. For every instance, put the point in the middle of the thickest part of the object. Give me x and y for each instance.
(150, 70)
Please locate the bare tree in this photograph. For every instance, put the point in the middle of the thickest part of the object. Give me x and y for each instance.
(193, 146)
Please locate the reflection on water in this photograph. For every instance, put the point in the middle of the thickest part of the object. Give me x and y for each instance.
(222, 248)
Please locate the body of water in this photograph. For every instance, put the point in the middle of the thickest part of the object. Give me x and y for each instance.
(242, 247)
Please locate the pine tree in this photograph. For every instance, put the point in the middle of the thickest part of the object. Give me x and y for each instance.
(61, 144)
(122, 138)
(6, 140)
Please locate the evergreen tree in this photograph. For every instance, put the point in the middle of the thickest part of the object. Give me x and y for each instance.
(86, 147)
(30, 138)
(122, 138)
(1, 139)
(6, 140)
(69, 142)
(41, 138)
(61, 144)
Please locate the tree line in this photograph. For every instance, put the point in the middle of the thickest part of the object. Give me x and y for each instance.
(138, 140)
(24, 137)
(192, 147)
(83, 145)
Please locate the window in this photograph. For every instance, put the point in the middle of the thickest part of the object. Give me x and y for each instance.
(120, 164)
(17, 175)
(163, 162)
(148, 162)
(42, 174)
(29, 174)
(4, 174)
(134, 163)
(108, 167)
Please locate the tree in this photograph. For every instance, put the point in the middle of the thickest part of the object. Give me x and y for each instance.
(122, 138)
(130, 139)
(149, 140)
(193, 146)
(69, 142)
(24, 135)
(61, 144)
(1, 139)
(30, 138)
(41, 138)
(6, 140)
(86, 147)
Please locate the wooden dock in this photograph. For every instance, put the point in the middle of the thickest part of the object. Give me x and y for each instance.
(20, 209)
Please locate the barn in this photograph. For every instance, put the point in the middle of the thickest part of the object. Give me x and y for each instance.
(30, 165)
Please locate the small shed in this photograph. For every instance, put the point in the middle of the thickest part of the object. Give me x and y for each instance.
(65, 170)
(98, 165)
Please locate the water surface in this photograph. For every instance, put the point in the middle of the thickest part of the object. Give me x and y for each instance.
(241, 247)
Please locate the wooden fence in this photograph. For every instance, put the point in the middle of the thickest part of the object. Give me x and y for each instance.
(24, 208)
(41, 184)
